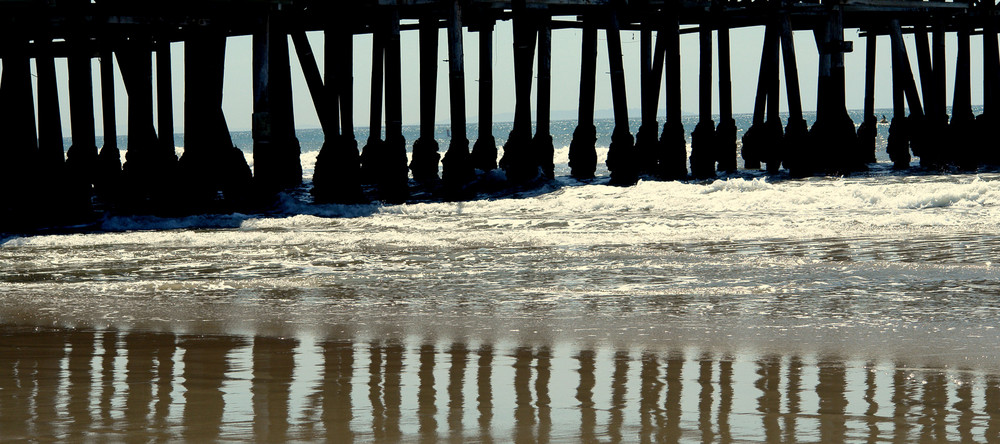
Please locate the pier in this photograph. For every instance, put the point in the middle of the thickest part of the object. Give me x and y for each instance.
(48, 184)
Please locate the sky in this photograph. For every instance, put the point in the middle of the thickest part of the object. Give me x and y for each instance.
(745, 56)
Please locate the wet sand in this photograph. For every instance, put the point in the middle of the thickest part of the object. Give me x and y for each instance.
(135, 386)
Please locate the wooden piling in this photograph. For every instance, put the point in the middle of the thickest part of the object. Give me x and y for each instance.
(868, 131)
(725, 133)
(702, 138)
(833, 133)
(20, 201)
(393, 185)
(369, 154)
(517, 161)
(962, 128)
(210, 163)
(621, 153)
(673, 150)
(755, 141)
(164, 95)
(541, 145)
(898, 145)
(646, 139)
(991, 86)
(314, 81)
(484, 153)
(109, 163)
(337, 176)
(81, 158)
(773, 154)
(795, 143)
(425, 149)
(51, 159)
(458, 169)
(582, 149)
(276, 150)
(148, 167)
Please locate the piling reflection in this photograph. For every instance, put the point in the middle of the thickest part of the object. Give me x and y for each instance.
(141, 386)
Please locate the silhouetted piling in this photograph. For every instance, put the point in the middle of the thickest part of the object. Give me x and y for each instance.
(517, 160)
(541, 144)
(755, 142)
(484, 153)
(458, 169)
(647, 141)
(833, 134)
(108, 167)
(773, 153)
(148, 167)
(337, 176)
(20, 155)
(796, 140)
(582, 149)
(725, 133)
(868, 131)
(673, 145)
(373, 146)
(393, 184)
(962, 130)
(210, 163)
(621, 152)
(276, 149)
(81, 158)
(425, 149)
(898, 145)
(703, 136)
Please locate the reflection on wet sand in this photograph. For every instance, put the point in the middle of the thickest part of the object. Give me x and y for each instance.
(141, 386)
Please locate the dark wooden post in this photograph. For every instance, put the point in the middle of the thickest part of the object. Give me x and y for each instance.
(164, 95)
(109, 163)
(940, 83)
(903, 128)
(773, 151)
(19, 158)
(50, 140)
(646, 139)
(868, 131)
(796, 130)
(321, 98)
(210, 162)
(725, 133)
(457, 167)
(963, 121)
(702, 138)
(484, 153)
(425, 148)
(81, 158)
(394, 179)
(148, 167)
(834, 131)
(991, 85)
(542, 147)
(276, 149)
(337, 175)
(673, 160)
(755, 141)
(373, 146)
(934, 125)
(621, 152)
(582, 149)
(517, 160)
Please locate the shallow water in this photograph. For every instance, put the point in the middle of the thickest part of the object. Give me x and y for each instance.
(748, 308)
(75, 384)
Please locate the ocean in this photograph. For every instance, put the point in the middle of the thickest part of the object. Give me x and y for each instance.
(746, 308)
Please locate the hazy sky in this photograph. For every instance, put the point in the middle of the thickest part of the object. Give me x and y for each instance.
(745, 52)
